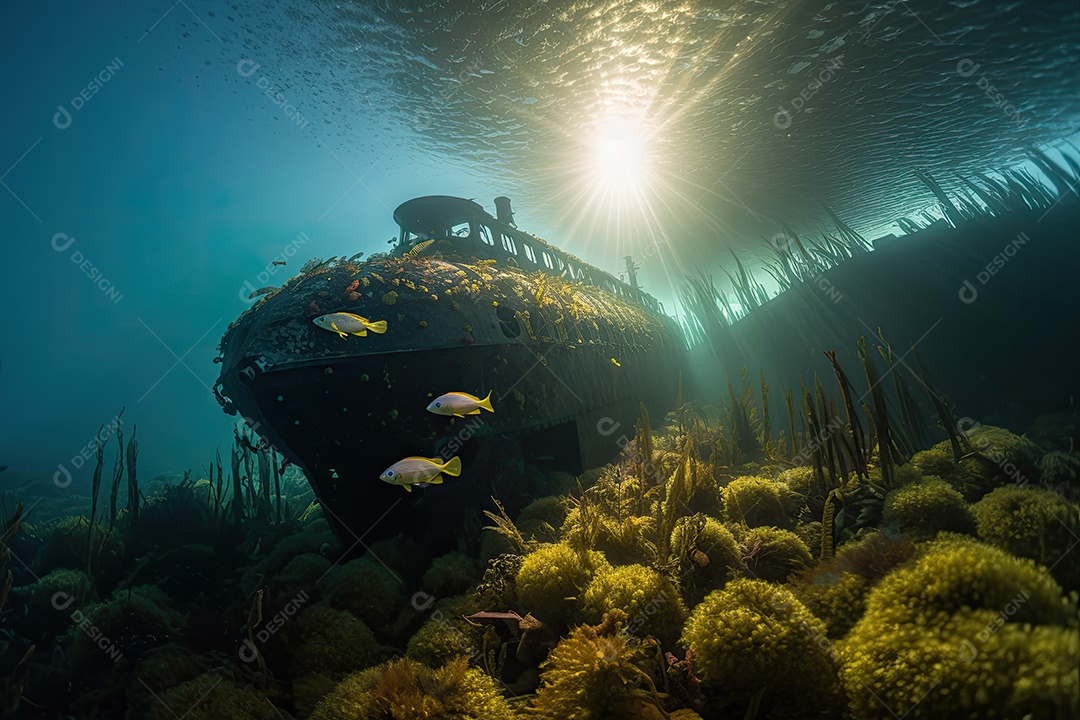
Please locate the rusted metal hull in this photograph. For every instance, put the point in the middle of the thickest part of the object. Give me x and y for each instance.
(556, 358)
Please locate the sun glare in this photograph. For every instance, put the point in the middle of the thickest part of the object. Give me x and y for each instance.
(619, 163)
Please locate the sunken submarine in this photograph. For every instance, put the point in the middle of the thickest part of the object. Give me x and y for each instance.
(569, 353)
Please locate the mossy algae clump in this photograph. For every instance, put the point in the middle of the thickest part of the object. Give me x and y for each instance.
(838, 600)
(650, 601)
(446, 634)
(331, 642)
(927, 507)
(450, 574)
(835, 590)
(212, 697)
(806, 486)
(771, 553)
(39, 602)
(997, 457)
(592, 674)
(65, 545)
(707, 555)
(754, 636)
(1033, 523)
(135, 620)
(540, 519)
(552, 579)
(302, 572)
(963, 626)
(758, 501)
(407, 690)
(367, 589)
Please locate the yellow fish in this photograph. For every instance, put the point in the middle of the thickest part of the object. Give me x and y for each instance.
(346, 324)
(459, 404)
(420, 471)
(417, 248)
(615, 362)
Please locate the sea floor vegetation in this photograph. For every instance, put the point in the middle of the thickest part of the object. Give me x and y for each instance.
(722, 567)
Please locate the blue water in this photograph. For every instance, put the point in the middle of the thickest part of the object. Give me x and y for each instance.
(158, 157)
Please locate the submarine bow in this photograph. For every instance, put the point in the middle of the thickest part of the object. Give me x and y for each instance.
(471, 304)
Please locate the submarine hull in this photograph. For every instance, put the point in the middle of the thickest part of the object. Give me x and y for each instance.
(567, 367)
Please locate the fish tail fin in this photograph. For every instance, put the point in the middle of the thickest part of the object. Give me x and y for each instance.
(378, 327)
(486, 403)
(453, 466)
(437, 480)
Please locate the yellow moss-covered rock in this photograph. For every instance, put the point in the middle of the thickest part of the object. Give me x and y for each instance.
(839, 601)
(1033, 523)
(552, 579)
(627, 541)
(955, 572)
(963, 630)
(541, 518)
(301, 573)
(450, 574)
(211, 697)
(928, 507)
(773, 554)
(446, 634)
(331, 642)
(131, 622)
(407, 690)
(753, 635)
(37, 603)
(65, 546)
(758, 502)
(707, 554)
(800, 480)
(651, 601)
(591, 675)
(1000, 457)
(367, 589)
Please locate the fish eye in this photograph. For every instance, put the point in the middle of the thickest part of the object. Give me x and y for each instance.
(438, 404)
(389, 473)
